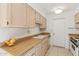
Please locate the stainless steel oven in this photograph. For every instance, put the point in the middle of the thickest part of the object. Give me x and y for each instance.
(74, 48)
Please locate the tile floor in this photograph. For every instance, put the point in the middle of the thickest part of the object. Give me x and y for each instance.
(58, 51)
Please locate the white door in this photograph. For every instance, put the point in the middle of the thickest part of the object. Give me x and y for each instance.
(59, 33)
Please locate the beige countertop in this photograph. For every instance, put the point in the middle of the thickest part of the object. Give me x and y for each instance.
(23, 45)
(74, 36)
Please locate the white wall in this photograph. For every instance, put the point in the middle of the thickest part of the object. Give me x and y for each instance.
(69, 23)
(6, 33)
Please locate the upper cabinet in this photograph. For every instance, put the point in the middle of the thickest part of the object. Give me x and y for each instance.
(37, 18)
(18, 14)
(77, 20)
(23, 15)
(13, 15)
(42, 23)
(40, 20)
(32, 17)
(5, 14)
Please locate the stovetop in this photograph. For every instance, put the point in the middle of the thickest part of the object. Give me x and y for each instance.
(76, 42)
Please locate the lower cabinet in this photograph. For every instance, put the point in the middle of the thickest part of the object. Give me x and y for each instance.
(45, 46)
(31, 52)
(38, 50)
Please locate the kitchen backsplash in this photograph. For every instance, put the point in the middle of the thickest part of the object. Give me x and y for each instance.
(6, 33)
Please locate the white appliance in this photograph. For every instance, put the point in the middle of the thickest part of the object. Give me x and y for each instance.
(74, 47)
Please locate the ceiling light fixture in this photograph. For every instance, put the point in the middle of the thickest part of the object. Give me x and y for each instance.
(58, 10)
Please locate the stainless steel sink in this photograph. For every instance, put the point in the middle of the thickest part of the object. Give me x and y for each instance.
(40, 36)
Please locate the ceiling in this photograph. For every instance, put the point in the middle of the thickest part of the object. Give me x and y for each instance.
(45, 8)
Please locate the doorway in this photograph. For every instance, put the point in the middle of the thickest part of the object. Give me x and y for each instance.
(59, 32)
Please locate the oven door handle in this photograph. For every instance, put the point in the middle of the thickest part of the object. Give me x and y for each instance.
(74, 43)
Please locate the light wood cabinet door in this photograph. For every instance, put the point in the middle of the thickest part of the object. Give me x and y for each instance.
(31, 52)
(42, 22)
(45, 46)
(37, 21)
(27, 15)
(32, 17)
(0, 15)
(5, 14)
(39, 50)
(18, 14)
(77, 18)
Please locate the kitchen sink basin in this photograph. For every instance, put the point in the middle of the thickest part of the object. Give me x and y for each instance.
(40, 36)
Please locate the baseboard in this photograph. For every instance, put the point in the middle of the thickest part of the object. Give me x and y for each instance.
(58, 46)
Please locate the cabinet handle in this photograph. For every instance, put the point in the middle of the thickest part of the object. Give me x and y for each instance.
(7, 23)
